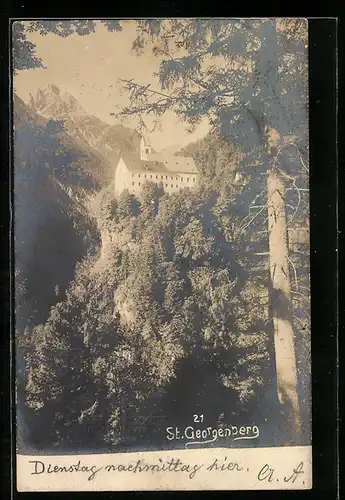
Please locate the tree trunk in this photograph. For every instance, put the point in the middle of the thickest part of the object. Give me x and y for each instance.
(281, 304)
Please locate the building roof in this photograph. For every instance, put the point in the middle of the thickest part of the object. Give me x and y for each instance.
(160, 164)
(136, 165)
(182, 164)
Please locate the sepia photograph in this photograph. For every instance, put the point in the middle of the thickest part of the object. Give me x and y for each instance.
(161, 254)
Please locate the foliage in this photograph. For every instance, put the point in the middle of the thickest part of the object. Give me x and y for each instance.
(249, 79)
(222, 69)
(169, 289)
(216, 159)
(179, 280)
(50, 186)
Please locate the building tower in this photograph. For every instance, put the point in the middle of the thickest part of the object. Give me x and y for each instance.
(145, 148)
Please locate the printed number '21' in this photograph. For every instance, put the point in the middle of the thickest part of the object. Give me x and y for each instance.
(198, 418)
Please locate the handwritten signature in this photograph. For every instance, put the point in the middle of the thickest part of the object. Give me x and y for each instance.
(267, 473)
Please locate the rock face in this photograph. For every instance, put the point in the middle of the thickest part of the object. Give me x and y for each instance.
(26, 120)
(62, 158)
(53, 182)
(86, 130)
(52, 103)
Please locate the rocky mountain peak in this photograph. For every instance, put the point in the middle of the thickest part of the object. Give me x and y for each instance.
(88, 131)
(54, 103)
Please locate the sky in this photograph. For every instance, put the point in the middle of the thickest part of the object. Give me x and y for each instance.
(90, 67)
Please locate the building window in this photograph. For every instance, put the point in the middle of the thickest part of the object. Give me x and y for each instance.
(193, 179)
(138, 183)
(156, 176)
(166, 176)
(132, 175)
(145, 176)
(150, 176)
(187, 179)
(177, 178)
(133, 183)
(161, 176)
(181, 178)
(138, 175)
(172, 185)
(166, 185)
(171, 177)
(176, 185)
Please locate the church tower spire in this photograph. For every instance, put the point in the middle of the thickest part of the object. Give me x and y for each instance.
(145, 148)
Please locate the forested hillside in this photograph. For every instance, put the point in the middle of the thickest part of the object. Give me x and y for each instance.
(53, 181)
(169, 290)
(163, 287)
(134, 313)
(217, 160)
(151, 287)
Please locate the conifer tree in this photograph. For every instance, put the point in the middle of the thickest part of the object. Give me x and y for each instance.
(249, 78)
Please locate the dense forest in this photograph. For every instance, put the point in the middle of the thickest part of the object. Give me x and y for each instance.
(137, 312)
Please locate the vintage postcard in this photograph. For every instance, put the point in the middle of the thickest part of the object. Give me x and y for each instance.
(161, 232)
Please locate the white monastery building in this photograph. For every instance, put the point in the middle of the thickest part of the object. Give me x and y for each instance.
(174, 172)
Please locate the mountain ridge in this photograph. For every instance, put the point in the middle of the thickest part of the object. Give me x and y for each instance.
(109, 141)
(91, 162)
(53, 184)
